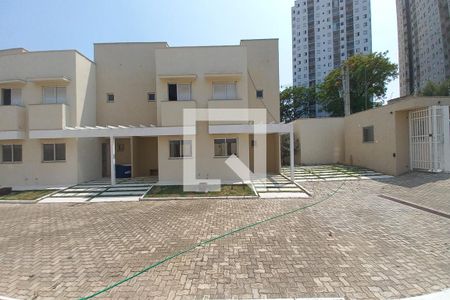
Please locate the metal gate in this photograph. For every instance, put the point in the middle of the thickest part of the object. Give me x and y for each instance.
(429, 139)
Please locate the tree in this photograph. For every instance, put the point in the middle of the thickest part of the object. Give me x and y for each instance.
(369, 76)
(286, 149)
(297, 102)
(433, 89)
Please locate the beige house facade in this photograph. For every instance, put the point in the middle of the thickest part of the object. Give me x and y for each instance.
(409, 133)
(66, 119)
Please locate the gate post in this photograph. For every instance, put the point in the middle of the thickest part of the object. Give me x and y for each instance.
(446, 132)
(112, 148)
(435, 161)
(411, 140)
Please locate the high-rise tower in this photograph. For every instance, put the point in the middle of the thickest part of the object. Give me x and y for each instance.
(424, 43)
(324, 34)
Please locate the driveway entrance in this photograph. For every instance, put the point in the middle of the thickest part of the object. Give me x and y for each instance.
(333, 173)
(130, 189)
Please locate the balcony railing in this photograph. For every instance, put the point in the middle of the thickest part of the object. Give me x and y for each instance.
(172, 112)
(227, 104)
(47, 116)
(12, 118)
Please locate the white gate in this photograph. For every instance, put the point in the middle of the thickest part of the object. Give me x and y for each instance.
(429, 139)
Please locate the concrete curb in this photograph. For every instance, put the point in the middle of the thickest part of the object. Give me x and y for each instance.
(18, 201)
(414, 205)
(200, 198)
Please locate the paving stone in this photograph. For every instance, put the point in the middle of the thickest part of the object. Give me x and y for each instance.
(354, 245)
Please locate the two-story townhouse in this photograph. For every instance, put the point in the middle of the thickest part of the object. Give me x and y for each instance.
(46, 90)
(127, 109)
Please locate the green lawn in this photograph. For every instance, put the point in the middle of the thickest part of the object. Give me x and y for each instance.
(26, 195)
(177, 191)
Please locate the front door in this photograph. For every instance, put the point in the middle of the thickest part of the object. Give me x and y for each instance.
(106, 165)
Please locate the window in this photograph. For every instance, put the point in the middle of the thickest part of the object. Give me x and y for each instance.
(259, 94)
(54, 152)
(151, 96)
(179, 92)
(179, 149)
(11, 97)
(225, 147)
(6, 96)
(368, 134)
(54, 95)
(11, 153)
(110, 98)
(224, 91)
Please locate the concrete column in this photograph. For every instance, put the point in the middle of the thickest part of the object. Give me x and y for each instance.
(112, 148)
(292, 144)
(446, 132)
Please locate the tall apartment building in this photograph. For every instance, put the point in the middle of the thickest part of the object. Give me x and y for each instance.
(424, 43)
(65, 119)
(324, 34)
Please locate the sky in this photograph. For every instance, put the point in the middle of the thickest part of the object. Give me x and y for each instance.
(77, 24)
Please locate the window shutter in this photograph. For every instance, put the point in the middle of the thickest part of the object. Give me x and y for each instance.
(17, 153)
(219, 91)
(183, 92)
(61, 95)
(7, 153)
(16, 97)
(231, 91)
(60, 151)
(49, 95)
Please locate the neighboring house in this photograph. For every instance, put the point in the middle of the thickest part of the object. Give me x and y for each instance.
(325, 33)
(410, 133)
(61, 112)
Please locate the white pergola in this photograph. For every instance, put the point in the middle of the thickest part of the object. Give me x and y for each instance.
(113, 132)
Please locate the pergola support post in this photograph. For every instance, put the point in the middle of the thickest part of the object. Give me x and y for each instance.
(112, 148)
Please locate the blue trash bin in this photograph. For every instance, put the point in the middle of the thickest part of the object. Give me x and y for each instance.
(123, 171)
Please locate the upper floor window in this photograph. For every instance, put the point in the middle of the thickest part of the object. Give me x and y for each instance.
(151, 97)
(54, 95)
(180, 148)
(259, 94)
(54, 152)
(179, 92)
(110, 98)
(11, 97)
(11, 153)
(224, 91)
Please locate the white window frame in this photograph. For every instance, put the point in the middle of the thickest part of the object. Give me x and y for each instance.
(178, 85)
(226, 145)
(189, 96)
(16, 97)
(57, 99)
(182, 144)
(54, 153)
(13, 159)
(230, 90)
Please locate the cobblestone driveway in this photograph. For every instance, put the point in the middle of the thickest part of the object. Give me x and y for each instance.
(355, 245)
